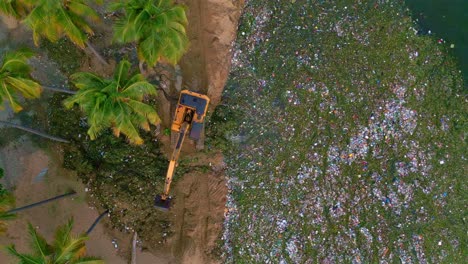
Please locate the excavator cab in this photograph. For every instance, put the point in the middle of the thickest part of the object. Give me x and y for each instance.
(188, 120)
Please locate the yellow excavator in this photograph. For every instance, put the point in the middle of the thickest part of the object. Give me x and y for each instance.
(189, 118)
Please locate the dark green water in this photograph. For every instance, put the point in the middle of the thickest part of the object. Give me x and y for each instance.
(446, 19)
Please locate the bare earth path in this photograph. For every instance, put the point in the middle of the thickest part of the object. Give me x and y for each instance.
(198, 216)
(212, 29)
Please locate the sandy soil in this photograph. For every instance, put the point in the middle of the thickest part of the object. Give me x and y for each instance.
(212, 29)
(23, 163)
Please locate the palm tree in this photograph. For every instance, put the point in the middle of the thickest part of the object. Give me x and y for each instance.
(15, 76)
(65, 249)
(114, 103)
(158, 27)
(54, 19)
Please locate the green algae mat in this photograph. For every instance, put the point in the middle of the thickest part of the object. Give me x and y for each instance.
(345, 137)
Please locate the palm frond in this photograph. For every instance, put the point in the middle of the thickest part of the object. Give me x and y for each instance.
(84, 80)
(150, 49)
(67, 247)
(139, 89)
(4, 216)
(6, 7)
(6, 93)
(121, 72)
(28, 88)
(62, 234)
(88, 260)
(38, 243)
(16, 61)
(148, 112)
(24, 258)
(82, 10)
(129, 130)
(15, 77)
(54, 19)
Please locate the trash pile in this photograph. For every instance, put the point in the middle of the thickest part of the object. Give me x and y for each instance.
(349, 145)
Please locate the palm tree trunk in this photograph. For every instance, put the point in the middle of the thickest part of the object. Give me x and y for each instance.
(15, 210)
(58, 90)
(91, 228)
(96, 53)
(36, 132)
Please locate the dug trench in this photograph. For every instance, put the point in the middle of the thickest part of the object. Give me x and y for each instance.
(197, 212)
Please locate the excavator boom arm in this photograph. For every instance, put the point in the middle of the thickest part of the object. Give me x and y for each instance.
(175, 156)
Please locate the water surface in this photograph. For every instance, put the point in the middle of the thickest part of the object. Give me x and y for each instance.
(446, 19)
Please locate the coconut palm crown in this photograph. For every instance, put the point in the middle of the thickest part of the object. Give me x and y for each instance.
(15, 78)
(115, 103)
(54, 19)
(158, 27)
(65, 249)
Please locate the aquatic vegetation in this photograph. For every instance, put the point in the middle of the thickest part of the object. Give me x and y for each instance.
(350, 143)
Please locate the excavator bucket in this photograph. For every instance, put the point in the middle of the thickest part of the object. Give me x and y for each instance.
(162, 204)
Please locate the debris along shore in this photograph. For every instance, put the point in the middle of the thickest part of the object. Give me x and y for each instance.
(349, 145)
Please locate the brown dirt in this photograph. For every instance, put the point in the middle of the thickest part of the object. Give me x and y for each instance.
(212, 29)
(197, 210)
(198, 217)
(205, 67)
(22, 163)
